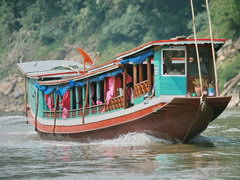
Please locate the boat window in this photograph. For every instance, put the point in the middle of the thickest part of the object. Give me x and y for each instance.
(205, 59)
(174, 62)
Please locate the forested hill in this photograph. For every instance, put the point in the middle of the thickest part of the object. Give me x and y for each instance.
(43, 29)
(53, 29)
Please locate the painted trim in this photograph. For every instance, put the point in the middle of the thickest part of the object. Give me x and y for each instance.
(112, 121)
(167, 42)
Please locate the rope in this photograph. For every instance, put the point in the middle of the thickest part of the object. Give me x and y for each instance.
(196, 46)
(203, 103)
(213, 51)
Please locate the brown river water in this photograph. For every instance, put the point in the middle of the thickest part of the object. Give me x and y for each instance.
(215, 154)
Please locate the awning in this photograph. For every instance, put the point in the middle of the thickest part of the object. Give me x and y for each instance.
(63, 89)
(139, 59)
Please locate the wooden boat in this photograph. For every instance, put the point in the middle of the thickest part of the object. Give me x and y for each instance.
(148, 89)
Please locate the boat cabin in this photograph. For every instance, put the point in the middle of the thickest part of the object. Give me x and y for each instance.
(155, 71)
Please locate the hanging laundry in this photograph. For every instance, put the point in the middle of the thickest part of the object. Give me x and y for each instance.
(49, 101)
(110, 92)
(65, 104)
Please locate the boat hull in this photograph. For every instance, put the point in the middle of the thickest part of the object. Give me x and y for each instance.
(179, 120)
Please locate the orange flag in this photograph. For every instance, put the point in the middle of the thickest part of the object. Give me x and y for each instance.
(86, 57)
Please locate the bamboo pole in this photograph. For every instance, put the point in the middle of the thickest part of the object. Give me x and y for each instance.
(196, 46)
(213, 51)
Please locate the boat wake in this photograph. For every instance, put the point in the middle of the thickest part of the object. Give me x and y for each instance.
(127, 140)
(133, 139)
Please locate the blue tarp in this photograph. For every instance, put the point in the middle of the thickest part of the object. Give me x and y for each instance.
(45, 89)
(63, 89)
(138, 59)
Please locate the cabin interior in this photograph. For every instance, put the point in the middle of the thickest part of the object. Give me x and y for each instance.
(165, 71)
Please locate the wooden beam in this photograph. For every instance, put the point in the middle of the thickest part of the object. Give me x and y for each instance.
(115, 87)
(86, 101)
(90, 94)
(135, 79)
(105, 88)
(125, 87)
(98, 91)
(55, 113)
(149, 74)
(36, 113)
(140, 72)
(77, 97)
(25, 97)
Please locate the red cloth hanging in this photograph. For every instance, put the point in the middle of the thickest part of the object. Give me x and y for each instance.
(118, 82)
(66, 104)
(49, 101)
(110, 92)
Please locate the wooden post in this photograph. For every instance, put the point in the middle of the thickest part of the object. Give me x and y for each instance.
(105, 87)
(114, 87)
(36, 113)
(135, 80)
(125, 87)
(85, 104)
(83, 96)
(149, 74)
(90, 94)
(71, 102)
(77, 97)
(55, 112)
(140, 72)
(98, 94)
(25, 97)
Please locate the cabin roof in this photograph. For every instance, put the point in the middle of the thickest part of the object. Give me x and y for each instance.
(50, 67)
(87, 75)
(170, 42)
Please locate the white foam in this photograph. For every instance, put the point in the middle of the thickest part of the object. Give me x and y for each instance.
(232, 130)
(132, 139)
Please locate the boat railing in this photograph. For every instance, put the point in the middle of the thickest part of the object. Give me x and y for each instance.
(75, 112)
(115, 103)
(141, 88)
